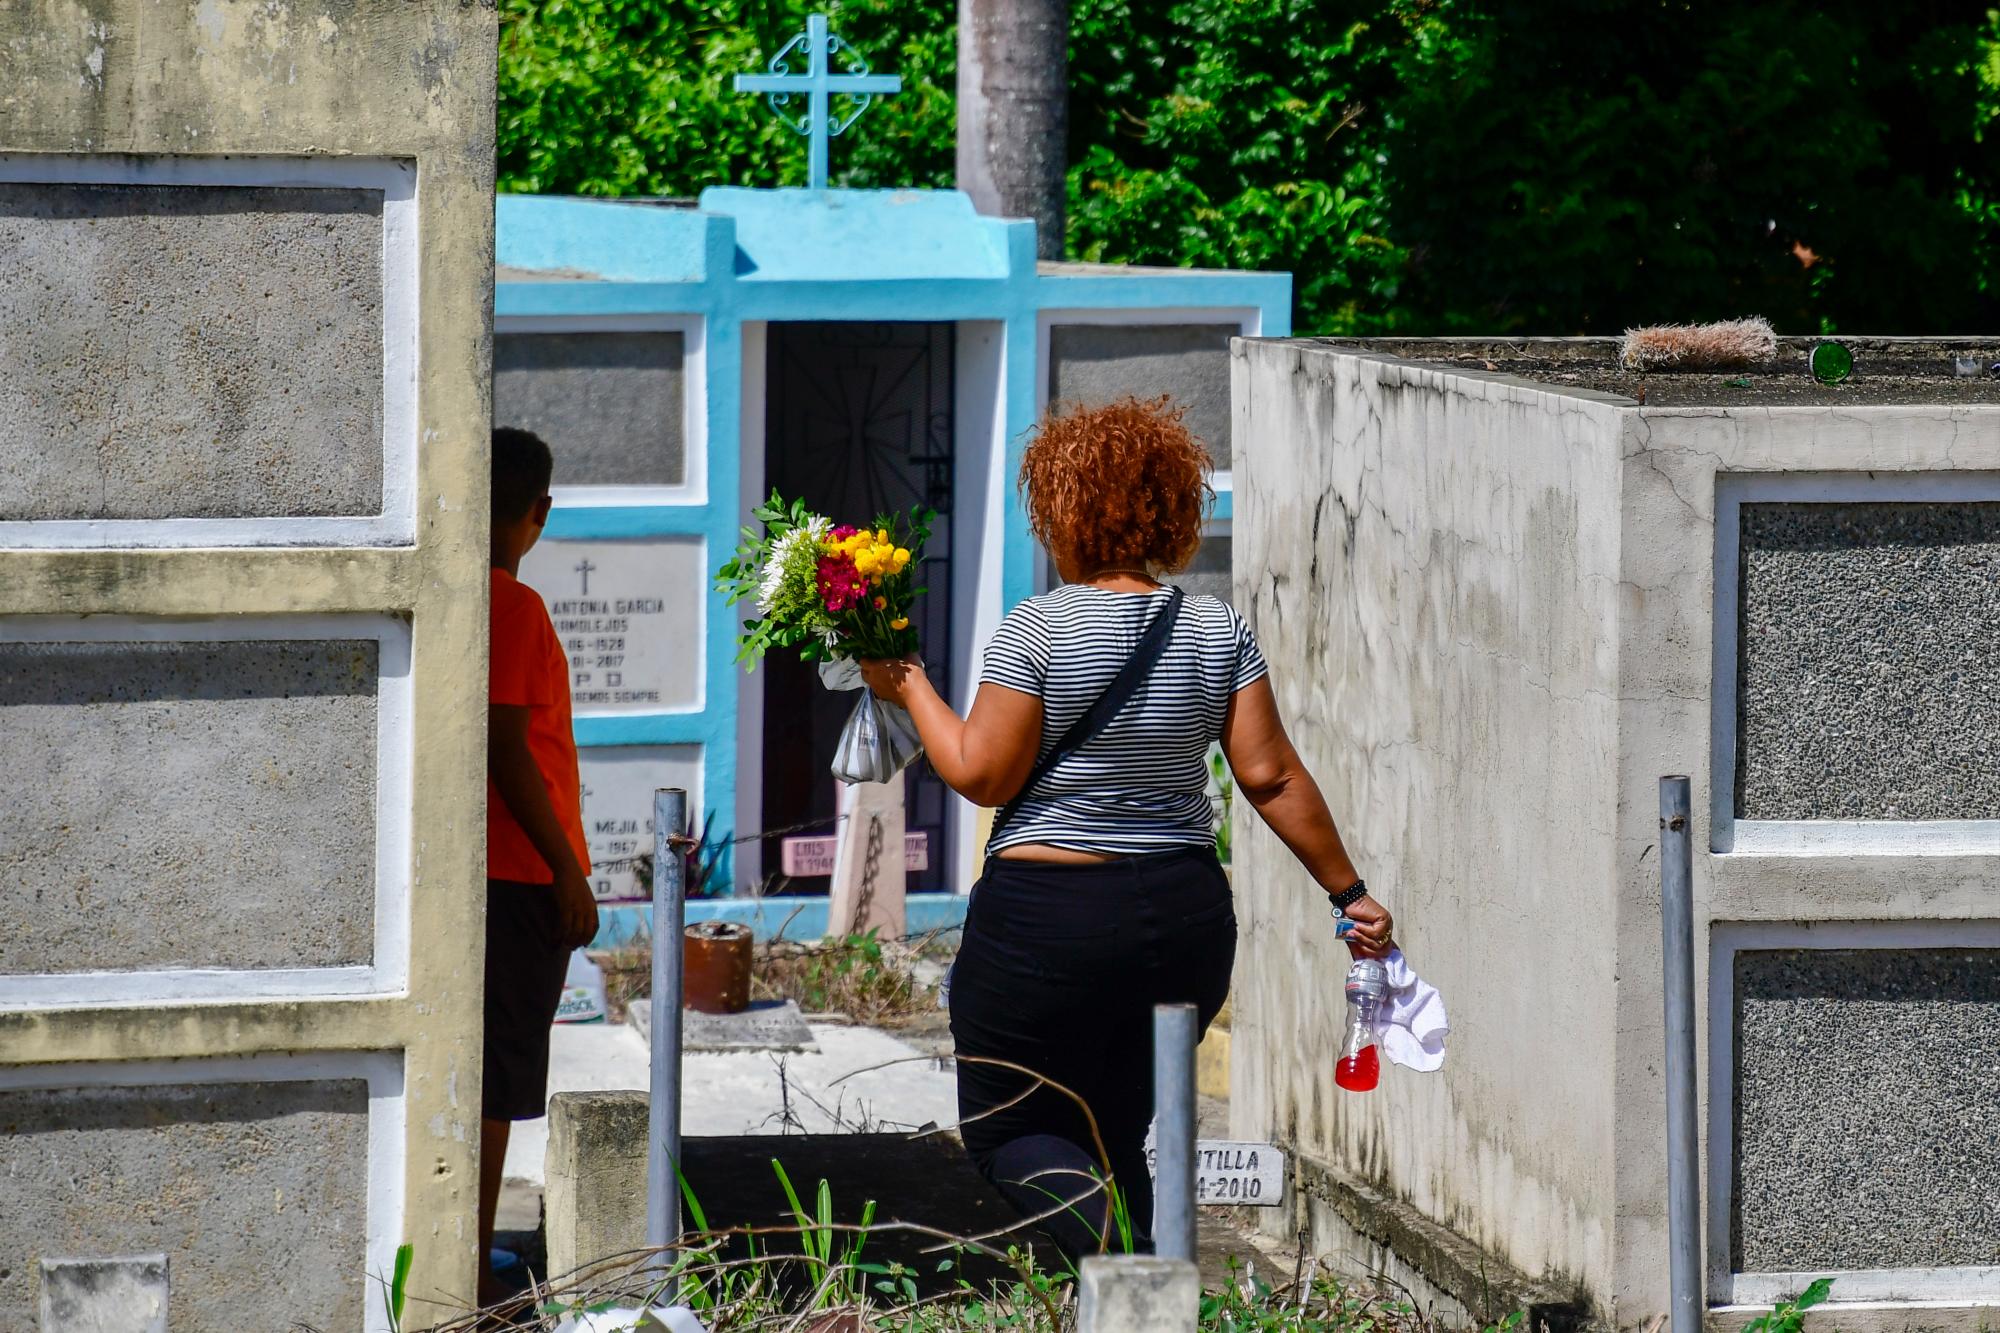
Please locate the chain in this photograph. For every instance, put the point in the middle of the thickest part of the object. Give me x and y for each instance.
(869, 865)
(683, 841)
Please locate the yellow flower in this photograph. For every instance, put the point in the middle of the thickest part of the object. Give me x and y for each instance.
(901, 558)
(881, 603)
(882, 536)
(900, 622)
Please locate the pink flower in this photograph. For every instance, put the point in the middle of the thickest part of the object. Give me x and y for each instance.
(840, 584)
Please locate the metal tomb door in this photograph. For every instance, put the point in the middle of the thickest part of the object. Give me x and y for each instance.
(859, 422)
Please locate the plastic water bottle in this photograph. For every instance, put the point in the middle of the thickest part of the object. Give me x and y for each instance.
(1360, 1066)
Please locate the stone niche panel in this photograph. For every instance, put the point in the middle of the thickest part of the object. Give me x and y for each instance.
(188, 804)
(609, 404)
(1868, 661)
(257, 1193)
(190, 352)
(1097, 363)
(1867, 1105)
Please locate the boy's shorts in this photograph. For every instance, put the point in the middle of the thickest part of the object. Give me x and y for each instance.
(525, 967)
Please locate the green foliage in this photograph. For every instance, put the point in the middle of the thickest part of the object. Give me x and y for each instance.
(634, 97)
(1235, 134)
(1789, 1316)
(1225, 802)
(1419, 166)
(1582, 165)
(396, 1294)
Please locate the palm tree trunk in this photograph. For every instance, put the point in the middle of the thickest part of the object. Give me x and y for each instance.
(1013, 111)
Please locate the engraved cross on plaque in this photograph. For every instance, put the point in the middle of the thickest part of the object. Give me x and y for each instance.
(584, 567)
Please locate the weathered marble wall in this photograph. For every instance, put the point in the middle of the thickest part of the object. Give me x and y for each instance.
(1430, 563)
(245, 365)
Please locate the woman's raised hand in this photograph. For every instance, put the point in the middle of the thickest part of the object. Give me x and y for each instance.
(891, 678)
(1374, 929)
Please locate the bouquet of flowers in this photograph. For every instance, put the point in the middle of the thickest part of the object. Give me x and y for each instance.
(836, 594)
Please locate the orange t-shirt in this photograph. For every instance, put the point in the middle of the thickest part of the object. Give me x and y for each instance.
(529, 668)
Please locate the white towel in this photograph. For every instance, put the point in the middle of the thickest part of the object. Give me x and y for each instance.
(1414, 1025)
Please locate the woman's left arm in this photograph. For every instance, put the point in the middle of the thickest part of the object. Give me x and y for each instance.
(984, 757)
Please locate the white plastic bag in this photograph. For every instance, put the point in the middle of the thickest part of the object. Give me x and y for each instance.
(879, 740)
(629, 1319)
(583, 992)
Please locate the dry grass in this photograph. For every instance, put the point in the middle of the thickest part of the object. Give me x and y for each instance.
(1730, 345)
(867, 980)
(859, 976)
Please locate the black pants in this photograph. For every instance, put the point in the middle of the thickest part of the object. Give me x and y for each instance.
(1059, 972)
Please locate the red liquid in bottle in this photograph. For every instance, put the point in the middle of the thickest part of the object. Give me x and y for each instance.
(1361, 1072)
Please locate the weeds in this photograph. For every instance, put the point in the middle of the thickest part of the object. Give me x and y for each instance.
(857, 976)
(1790, 1316)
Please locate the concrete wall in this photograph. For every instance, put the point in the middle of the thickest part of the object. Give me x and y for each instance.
(1497, 613)
(1429, 563)
(243, 417)
(611, 404)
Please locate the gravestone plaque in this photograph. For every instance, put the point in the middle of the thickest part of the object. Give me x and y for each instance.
(1867, 1105)
(618, 786)
(1868, 650)
(1228, 1173)
(105, 1295)
(609, 403)
(629, 615)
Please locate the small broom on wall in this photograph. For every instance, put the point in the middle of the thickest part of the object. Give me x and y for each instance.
(1735, 344)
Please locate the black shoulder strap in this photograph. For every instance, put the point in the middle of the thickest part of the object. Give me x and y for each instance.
(1116, 695)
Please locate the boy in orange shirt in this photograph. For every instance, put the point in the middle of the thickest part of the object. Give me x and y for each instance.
(539, 905)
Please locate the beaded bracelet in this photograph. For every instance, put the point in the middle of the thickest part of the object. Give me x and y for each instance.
(1349, 896)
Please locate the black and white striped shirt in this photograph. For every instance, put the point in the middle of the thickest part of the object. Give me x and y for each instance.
(1141, 785)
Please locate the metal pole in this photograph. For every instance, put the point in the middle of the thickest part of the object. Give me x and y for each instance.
(1174, 1028)
(1683, 1129)
(663, 1137)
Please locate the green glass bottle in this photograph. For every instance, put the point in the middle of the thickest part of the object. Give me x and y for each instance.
(1830, 362)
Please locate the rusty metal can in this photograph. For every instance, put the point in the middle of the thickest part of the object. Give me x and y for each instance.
(715, 961)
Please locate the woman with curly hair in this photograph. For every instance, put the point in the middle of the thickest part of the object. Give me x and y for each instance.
(1102, 895)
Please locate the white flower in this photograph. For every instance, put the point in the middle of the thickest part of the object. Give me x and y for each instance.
(786, 553)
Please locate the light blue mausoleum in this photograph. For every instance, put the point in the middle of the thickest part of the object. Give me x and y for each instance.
(864, 349)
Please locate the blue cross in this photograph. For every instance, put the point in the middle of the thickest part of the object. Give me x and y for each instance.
(820, 84)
